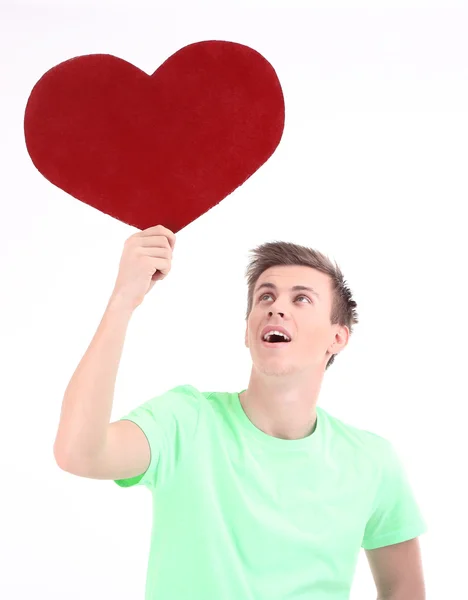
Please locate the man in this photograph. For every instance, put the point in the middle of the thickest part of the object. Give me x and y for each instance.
(260, 495)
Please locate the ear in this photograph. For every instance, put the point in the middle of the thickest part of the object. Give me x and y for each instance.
(341, 339)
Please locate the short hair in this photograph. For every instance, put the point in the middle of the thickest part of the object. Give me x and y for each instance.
(274, 254)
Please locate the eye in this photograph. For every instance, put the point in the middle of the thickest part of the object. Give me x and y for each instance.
(301, 296)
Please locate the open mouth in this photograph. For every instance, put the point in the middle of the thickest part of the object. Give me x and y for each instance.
(276, 338)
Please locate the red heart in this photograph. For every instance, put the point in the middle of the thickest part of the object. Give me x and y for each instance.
(161, 148)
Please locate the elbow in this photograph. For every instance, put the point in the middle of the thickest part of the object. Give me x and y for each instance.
(62, 458)
(73, 462)
(66, 460)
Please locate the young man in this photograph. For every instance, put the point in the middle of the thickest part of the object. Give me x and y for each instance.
(258, 495)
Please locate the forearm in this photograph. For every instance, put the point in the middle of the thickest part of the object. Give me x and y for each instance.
(87, 403)
(410, 595)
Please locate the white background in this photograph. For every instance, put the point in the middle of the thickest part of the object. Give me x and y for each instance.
(372, 170)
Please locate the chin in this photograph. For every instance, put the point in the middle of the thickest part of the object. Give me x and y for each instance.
(275, 369)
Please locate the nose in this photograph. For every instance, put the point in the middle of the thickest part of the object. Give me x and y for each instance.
(270, 314)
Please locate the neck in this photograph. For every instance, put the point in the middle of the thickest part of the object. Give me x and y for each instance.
(282, 406)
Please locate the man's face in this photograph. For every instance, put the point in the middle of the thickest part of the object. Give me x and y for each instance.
(279, 299)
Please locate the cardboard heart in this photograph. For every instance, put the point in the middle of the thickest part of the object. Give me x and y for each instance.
(161, 148)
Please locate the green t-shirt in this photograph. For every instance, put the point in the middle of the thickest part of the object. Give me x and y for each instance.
(241, 515)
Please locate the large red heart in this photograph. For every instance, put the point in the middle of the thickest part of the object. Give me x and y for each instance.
(161, 148)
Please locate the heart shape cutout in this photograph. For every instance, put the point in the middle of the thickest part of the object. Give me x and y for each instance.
(161, 148)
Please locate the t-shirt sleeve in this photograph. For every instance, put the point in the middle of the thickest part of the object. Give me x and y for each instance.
(169, 423)
(396, 516)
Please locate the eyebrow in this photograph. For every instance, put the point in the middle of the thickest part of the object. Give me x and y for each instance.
(295, 288)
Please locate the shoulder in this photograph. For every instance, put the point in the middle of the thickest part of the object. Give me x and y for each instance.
(185, 396)
(190, 392)
(180, 400)
(375, 446)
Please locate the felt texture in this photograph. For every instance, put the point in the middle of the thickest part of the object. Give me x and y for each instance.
(161, 148)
